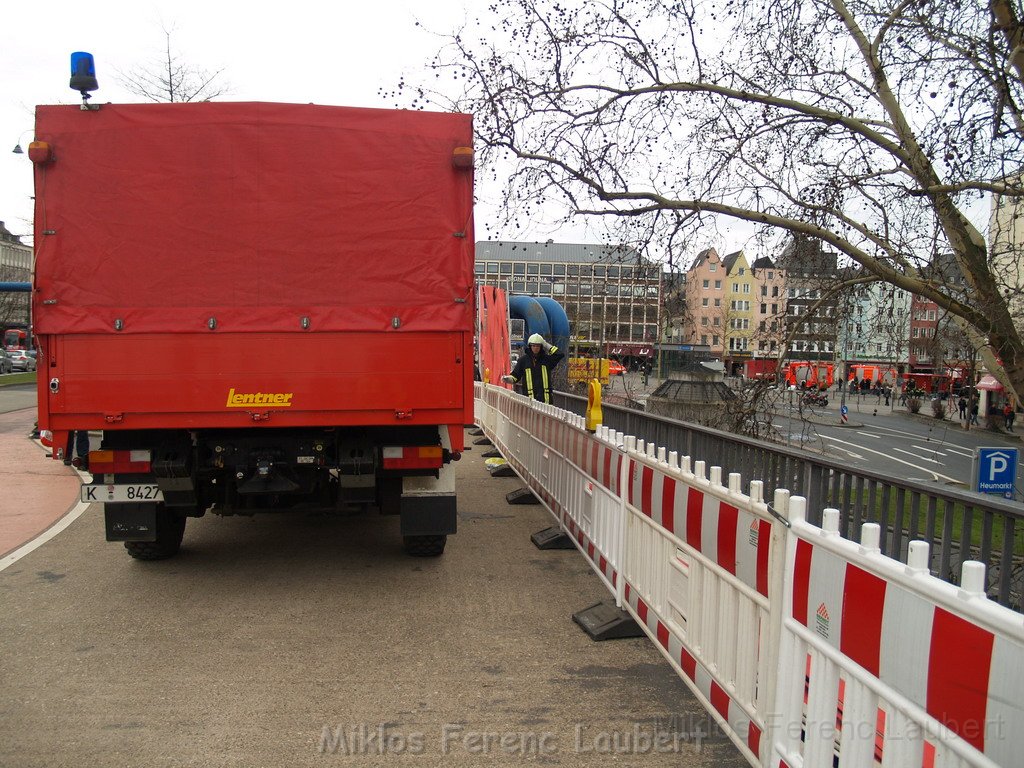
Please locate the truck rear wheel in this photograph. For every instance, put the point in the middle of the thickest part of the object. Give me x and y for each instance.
(170, 529)
(425, 546)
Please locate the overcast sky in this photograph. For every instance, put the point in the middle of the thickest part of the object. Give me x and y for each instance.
(300, 52)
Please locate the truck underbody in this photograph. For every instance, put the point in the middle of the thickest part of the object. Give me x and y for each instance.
(156, 479)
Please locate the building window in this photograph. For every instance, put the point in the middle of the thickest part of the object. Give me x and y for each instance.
(613, 271)
(704, 321)
(764, 290)
(743, 271)
(532, 269)
(492, 268)
(735, 287)
(704, 340)
(718, 302)
(764, 309)
(704, 301)
(718, 321)
(775, 291)
(545, 269)
(718, 285)
(519, 269)
(746, 287)
(560, 270)
(714, 341)
(707, 283)
(712, 266)
(479, 269)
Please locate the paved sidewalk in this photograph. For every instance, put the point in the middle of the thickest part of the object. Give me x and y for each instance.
(37, 491)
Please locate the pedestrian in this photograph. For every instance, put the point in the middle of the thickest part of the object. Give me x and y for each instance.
(974, 412)
(962, 405)
(1008, 417)
(533, 370)
(77, 450)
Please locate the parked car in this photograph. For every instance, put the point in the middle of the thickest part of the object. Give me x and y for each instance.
(6, 365)
(21, 360)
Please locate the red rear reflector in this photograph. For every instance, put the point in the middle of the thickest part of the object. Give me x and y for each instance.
(113, 462)
(413, 457)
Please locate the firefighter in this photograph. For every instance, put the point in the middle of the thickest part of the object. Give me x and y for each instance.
(533, 370)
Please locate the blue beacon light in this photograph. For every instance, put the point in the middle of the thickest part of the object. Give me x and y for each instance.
(83, 75)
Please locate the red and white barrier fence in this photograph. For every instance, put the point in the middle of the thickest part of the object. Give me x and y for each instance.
(886, 664)
(808, 649)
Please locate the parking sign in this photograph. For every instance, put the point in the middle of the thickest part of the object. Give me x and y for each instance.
(995, 471)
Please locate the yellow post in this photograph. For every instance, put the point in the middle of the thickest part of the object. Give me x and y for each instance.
(594, 416)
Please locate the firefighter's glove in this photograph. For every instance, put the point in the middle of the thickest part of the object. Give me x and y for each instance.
(508, 379)
(546, 345)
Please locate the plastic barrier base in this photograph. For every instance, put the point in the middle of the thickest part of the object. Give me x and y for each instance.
(492, 454)
(502, 470)
(603, 621)
(482, 441)
(550, 538)
(475, 432)
(521, 496)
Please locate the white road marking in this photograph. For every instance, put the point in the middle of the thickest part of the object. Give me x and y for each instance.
(959, 451)
(915, 455)
(929, 449)
(936, 476)
(45, 536)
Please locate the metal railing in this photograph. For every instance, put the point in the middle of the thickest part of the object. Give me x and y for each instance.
(958, 525)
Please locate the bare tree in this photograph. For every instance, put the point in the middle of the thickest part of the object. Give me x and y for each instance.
(875, 126)
(168, 77)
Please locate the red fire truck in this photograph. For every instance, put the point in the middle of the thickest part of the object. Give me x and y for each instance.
(16, 337)
(810, 375)
(262, 306)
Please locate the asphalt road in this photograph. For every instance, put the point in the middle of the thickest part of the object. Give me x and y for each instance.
(895, 443)
(289, 640)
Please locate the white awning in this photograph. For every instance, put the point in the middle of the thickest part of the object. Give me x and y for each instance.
(990, 384)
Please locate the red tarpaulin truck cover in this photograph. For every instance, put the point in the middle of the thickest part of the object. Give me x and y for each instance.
(162, 216)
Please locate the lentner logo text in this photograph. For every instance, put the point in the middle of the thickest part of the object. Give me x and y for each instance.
(265, 399)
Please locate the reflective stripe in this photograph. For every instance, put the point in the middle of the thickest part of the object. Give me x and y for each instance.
(547, 390)
(529, 383)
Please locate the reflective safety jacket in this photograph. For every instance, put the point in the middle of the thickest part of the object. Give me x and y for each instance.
(534, 373)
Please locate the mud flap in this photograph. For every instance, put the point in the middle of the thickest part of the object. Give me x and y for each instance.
(428, 515)
(130, 522)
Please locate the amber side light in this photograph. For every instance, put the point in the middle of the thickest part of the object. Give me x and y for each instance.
(462, 157)
(40, 152)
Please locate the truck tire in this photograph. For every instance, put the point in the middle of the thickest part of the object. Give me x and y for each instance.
(425, 546)
(170, 528)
